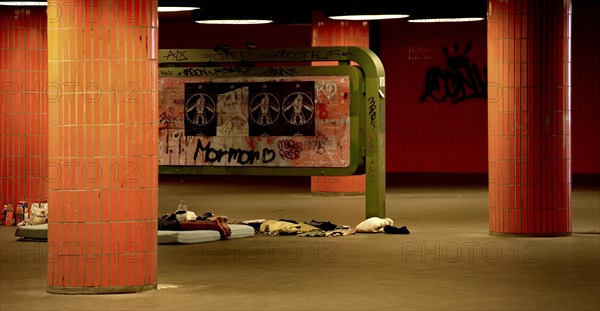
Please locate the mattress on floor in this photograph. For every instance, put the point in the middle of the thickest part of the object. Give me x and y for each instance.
(192, 236)
(33, 232)
(199, 236)
(40, 232)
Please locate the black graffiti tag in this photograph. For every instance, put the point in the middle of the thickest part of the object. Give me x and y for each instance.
(317, 144)
(238, 155)
(373, 111)
(211, 71)
(460, 81)
(165, 73)
(371, 169)
(273, 71)
(176, 55)
(268, 155)
(289, 149)
(283, 54)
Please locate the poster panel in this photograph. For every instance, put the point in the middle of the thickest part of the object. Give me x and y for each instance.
(255, 121)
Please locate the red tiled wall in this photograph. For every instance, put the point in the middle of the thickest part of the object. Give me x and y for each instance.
(328, 32)
(23, 112)
(585, 107)
(444, 131)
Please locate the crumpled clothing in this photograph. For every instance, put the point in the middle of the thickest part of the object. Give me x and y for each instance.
(284, 227)
(342, 232)
(322, 233)
(313, 233)
(323, 225)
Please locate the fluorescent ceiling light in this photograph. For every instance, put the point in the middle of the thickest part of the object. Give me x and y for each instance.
(221, 17)
(446, 20)
(368, 17)
(234, 21)
(24, 3)
(162, 9)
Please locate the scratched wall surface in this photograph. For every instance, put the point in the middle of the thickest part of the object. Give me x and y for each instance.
(255, 121)
(436, 96)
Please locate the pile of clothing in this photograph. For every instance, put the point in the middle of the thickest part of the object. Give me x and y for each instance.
(310, 228)
(315, 228)
(182, 219)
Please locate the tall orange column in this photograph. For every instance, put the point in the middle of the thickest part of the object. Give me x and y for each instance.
(23, 112)
(328, 32)
(103, 164)
(529, 117)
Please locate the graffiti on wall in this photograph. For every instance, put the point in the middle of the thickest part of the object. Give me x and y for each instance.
(255, 121)
(461, 79)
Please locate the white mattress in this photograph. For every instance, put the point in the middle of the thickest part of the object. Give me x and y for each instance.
(40, 232)
(199, 236)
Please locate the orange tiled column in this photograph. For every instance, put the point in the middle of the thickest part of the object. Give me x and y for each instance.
(24, 112)
(328, 32)
(103, 165)
(529, 117)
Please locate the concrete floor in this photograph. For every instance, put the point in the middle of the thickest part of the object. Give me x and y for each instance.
(448, 262)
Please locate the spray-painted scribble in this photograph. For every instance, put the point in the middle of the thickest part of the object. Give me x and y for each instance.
(328, 90)
(289, 149)
(371, 167)
(176, 55)
(273, 71)
(317, 143)
(235, 155)
(460, 81)
(372, 111)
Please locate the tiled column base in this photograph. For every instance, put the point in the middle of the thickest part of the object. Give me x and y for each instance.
(338, 185)
(98, 290)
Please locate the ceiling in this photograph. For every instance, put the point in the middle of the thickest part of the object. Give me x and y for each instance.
(300, 12)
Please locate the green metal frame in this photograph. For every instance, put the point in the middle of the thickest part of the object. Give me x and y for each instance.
(371, 115)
